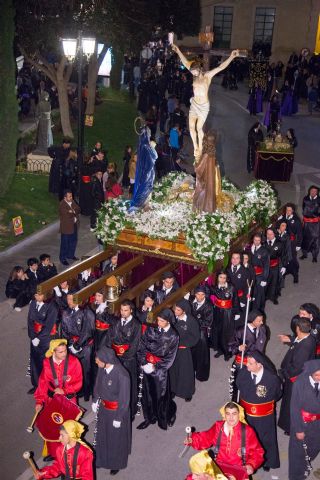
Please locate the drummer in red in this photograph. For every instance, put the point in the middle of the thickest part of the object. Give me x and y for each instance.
(61, 374)
(235, 445)
(73, 456)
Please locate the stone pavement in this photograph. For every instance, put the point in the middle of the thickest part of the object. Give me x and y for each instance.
(155, 452)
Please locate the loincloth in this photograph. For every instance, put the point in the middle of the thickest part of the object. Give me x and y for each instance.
(199, 110)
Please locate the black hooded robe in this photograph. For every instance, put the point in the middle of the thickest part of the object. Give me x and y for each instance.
(291, 366)
(113, 445)
(304, 397)
(201, 351)
(182, 375)
(157, 403)
(267, 390)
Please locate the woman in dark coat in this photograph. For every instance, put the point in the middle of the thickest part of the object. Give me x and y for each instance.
(202, 310)
(226, 311)
(112, 405)
(182, 376)
(16, 287)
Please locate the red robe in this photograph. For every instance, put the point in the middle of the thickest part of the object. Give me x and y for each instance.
(72, 385)
(84, 470)
(230, 451)
(46, 382)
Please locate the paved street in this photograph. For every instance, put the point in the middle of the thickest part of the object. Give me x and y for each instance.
(155, 452)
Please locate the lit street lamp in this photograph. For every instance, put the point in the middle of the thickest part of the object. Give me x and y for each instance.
(73, 48)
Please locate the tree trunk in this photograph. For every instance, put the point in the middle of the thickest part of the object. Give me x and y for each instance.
(9, 107)
(93, 69)
(62, 82)
(117, 64)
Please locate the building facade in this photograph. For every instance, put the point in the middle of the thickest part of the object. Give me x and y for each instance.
(286, 25)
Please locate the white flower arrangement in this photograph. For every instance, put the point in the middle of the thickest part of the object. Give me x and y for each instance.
(208, 235)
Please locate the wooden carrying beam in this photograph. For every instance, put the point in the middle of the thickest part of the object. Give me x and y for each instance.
(73, 271)
(137, 290)
(89, 290)
(179, 294)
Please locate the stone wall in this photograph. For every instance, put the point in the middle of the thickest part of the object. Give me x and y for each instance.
(295, 25)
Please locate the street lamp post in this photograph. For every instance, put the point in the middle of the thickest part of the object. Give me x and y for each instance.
(73, 48)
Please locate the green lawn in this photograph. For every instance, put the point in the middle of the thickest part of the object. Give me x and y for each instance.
(29, 198)
(28, 195)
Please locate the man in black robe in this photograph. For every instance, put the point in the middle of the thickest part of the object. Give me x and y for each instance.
(103, 321)
(202, 310)
(305, 421)
(239, 277)
(58, 155)
(182, 375)
(42, 328)
(302, 349)
(112, 406)
(276, 269)
(294, 230)
(77, 326)
(255, 135)
(260, 261)
(169, 285)
(249, 340)
(124, 338)
(156, 354)
(97, 195)
(311, 224)
(260, 389)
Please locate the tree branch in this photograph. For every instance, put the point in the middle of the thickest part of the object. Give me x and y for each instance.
(38, 65)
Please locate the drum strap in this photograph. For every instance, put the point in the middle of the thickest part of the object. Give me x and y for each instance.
(74, 463)
(54, 373)
(216, 448)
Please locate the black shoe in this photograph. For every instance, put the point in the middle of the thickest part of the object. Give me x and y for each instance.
(296, 280)
(76, 258)
(266, 469)
(188, 399)
(287, 434)
(31, 391)
(145, 424)
(171, 421)
(48, 458)
(64, 262)
(218, 354)
(314, 260)
(114, 472)
(275, 302)
(303, 257)
(227, 357)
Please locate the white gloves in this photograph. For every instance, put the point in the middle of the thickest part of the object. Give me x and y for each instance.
(263, 284)
(236, 317)
(151, 288)
(187, 296)
(74, 350)
(298, 248)
(116, 424)
(282, 270)
(57, 291)
(148, 368)
(35, 342)
(94, 407)
(242, 304)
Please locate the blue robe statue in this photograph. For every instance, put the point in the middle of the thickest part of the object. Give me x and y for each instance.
(145, 172)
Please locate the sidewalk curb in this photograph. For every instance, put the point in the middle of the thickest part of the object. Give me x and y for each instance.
(36, 235)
